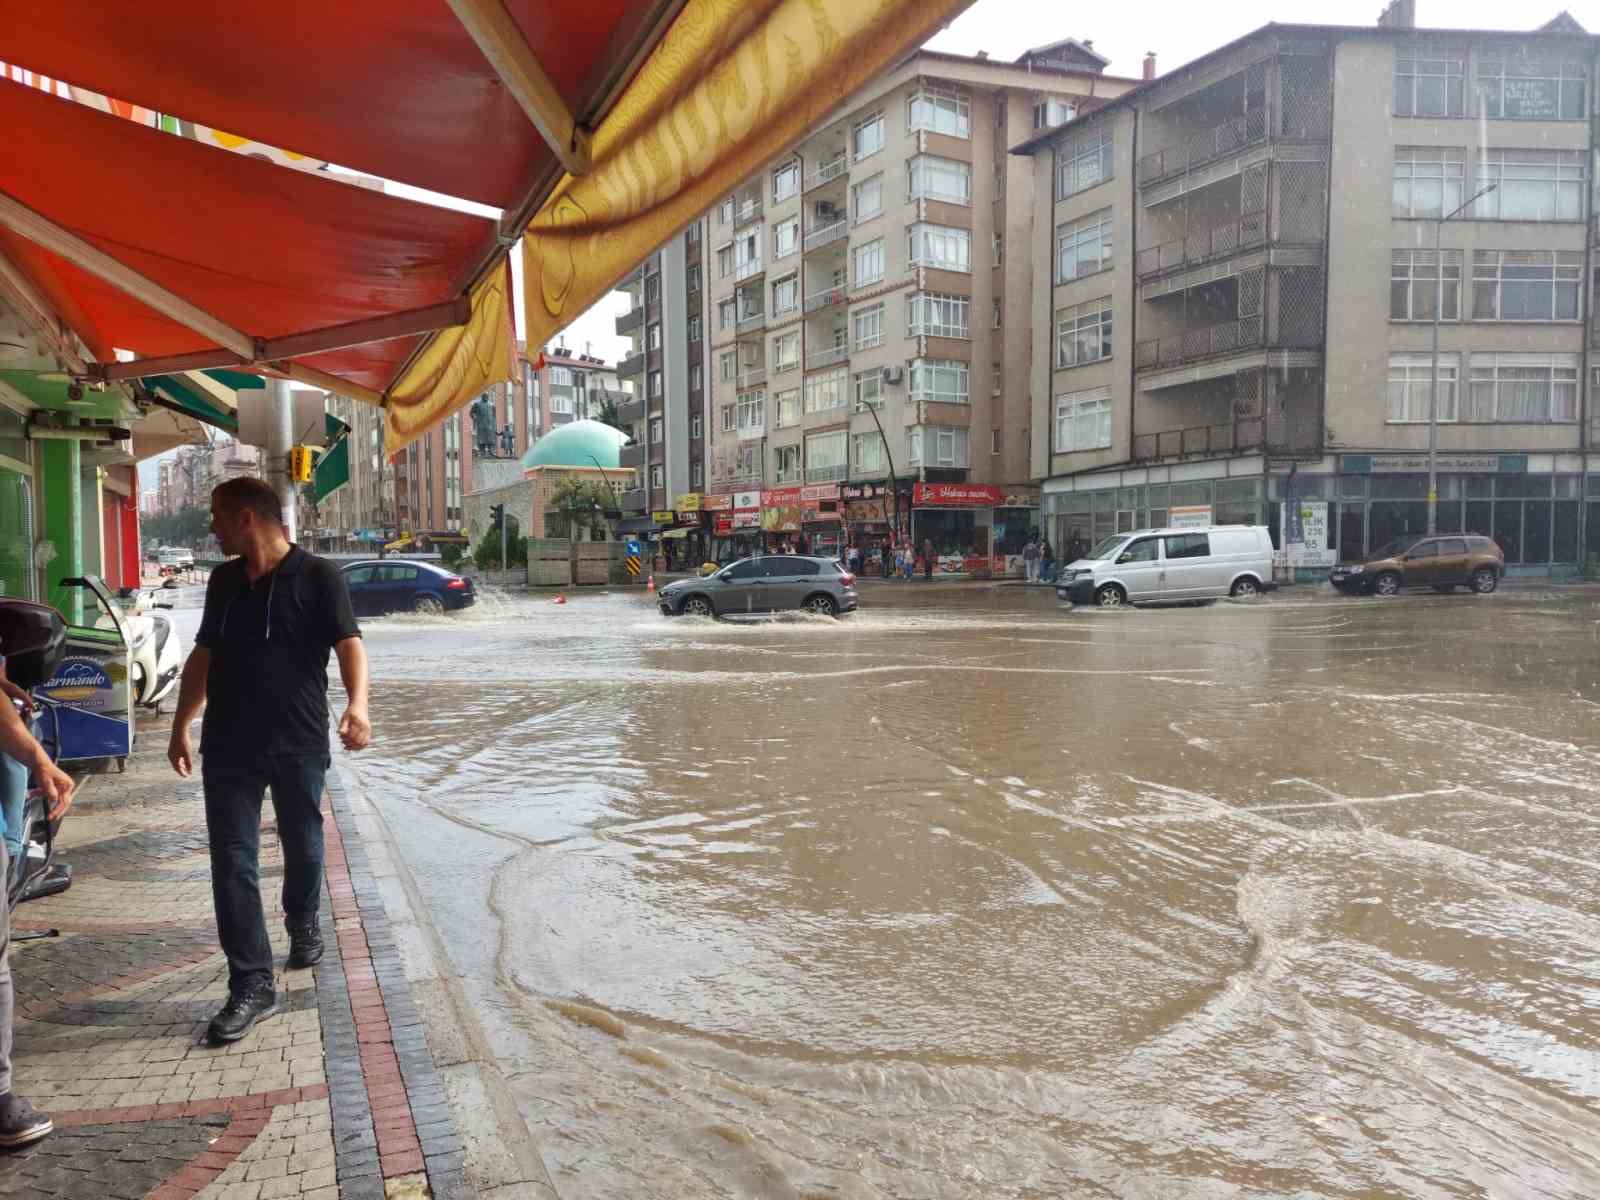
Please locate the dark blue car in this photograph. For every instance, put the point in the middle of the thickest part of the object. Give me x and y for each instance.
(394, 585)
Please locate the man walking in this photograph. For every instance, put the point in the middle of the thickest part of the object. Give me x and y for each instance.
(1030, 561)
(927, 559)
(20, 1123)
(260, 669)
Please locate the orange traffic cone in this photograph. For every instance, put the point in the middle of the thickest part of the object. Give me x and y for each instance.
(650, 583)
(561, 599)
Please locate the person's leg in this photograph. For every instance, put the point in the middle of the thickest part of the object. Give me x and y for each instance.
(297, 784)
(20, 1123)
(13, 804)
(233, 792)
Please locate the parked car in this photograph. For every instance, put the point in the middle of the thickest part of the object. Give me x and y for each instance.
(395, 585)
(767, 583)
(1443, 562)
(1162, 565)
(175, 559)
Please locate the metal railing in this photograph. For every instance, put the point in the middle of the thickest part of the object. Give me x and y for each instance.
(826, 299)
(831, 169)
(629, 321)
(631, 365)
(1248, 231)
(827, 357)
(788, 477)
(749, 378)
(826, 474)
(631, 456)
(749, 211)
(747, 270)
(752, 322)
(1180, 348)
(827, 235)
(1241, 131)
(1199, 440)
(631, 409)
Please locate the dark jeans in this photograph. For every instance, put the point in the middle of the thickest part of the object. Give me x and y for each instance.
(234, 786)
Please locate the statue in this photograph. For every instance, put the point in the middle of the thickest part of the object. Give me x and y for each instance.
(508, 440)
(483, 425)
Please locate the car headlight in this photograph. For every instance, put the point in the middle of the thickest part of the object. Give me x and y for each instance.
(1356, 570)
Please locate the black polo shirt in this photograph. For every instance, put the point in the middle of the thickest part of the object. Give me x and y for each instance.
(267, 690)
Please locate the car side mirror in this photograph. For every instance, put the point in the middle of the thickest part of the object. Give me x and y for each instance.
(1122, 558)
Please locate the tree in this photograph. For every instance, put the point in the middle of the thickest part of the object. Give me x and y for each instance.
(577, 509)
(487, 552)
(606, 411)
(188, 527)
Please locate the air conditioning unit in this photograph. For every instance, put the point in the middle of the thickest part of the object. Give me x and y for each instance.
(893, 374)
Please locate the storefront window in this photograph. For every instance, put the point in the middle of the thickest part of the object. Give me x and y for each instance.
(1388, 519)
(1508, 530)
(1191, 493)
(952, 531)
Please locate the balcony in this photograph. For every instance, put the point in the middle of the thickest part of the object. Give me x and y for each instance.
(828, 357)
(630, 409)
(832, 169)
(785, 477)
(751, 377)
(631, 456)
(1197, 441)
(751, 323)
(749, 211)
(634, 500)
(632, 365)
(1247, 232)
(827, 235)
(826, 299)
(629, 321)
(747, 270)
(1180, 348)
(827, 474)
(1203, 147)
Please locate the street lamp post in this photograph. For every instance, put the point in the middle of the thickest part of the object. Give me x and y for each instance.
(1433, 371)
(888, 457)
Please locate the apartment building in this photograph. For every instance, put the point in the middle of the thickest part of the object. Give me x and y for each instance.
(869, 308)
(573, 387)
(1244, 283)
(664, 374)
(431, 475)
(359, 514)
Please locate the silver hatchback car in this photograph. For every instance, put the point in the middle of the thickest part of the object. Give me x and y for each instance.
(767, 583)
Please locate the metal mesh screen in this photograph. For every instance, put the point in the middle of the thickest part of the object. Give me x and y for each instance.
(1250, 292)
(1302, 201)
(1293, 408)
(1253, 188)
(1299, 307)
(1306, 104)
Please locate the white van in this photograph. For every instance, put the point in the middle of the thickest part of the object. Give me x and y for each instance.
(1151, 566)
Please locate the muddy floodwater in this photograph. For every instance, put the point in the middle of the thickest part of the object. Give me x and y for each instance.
(967, 896)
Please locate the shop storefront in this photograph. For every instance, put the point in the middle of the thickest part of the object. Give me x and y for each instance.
(869, 512)
(958, 518)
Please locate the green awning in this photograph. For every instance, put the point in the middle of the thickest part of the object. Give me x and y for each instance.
(333, 468)
(178, 393)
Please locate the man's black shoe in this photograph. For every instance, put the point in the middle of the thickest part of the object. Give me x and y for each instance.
(242, 1010)
(305, 944)
(20, 1123)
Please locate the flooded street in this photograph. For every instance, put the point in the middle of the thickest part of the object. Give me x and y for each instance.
(970, 897)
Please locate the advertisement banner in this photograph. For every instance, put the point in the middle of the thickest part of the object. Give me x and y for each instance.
(91, 683)
(746, 501)
(1313, 549)
(820, 491)
(663, 517)
(1189, 516)
(746, 520)
(957, 495)
(722, 524)
(716, 503)
(688, 502)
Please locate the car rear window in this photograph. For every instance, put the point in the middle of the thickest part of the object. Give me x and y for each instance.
(784, 565)
(358, 575)
(1481, 545)
(1453, 546)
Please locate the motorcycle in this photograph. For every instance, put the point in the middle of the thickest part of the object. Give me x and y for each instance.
(155, 650)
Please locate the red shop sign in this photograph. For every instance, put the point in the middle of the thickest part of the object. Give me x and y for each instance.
(723, 524)
(958, 495)
(785, 497)
(820, 491)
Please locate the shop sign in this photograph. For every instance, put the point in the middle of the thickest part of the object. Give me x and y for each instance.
(716, 503)
(745, 501)
(689, 517)
(664, 517)
(1310, 548)
(820, 491)
(722, 524)
(1444, 464)
(688, 502)
(867, 512)
(746, 520)
(1020, 497)
(862, 491)
(1189, 516)
(958, 495)
(781, 510)
(778, 497)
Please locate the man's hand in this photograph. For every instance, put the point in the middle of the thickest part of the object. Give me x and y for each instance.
(355, 730)
(57, 787)
(20, 695)
(179, 752)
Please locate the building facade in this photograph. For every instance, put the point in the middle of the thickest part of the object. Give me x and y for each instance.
(869, 310)
(1243, 284)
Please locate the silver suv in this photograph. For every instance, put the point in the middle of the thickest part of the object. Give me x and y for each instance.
(767, 583)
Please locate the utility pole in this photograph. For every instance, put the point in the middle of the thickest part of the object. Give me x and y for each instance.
(1433, 371)
(888, 457)
(280, 436)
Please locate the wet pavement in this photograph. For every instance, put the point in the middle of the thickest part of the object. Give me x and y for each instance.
(970, 896)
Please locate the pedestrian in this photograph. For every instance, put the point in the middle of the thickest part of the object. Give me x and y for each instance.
(888, 559)
(927, 558)
(1030, 561)
(1047, 562)
(260, 669)
(20, 1123)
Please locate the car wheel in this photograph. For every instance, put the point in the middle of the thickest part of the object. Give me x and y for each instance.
(821, 605)
(429, 605)
(698, 606)
(1387, 584)
(1111, 596)
(1245, 589)
(1484, 580)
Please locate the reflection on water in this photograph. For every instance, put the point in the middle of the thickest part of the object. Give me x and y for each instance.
(971, 897)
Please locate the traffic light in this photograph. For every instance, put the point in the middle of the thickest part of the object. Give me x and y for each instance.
(497, 515)
(301, 464)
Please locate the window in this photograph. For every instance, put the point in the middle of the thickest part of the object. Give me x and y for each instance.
(1411, 384)
(786, 352)
(826, 456)
(1083, 161)
(725, 211)
(827, 390)
(786, 237)
(931, 315)
(869, 389)
(941, 381)
(939, 111)
(653, 336)
(658, 476)
(1083, 333)
(1189, 545)
(1428, 180)
(696, 426)
(1083, 247)
(652, 288)
(1083, 421)
(691, 235)
(751, 415)
(785, 295)
(727, 418)
(1526, 285)
(994, 441)
(1521, 90)
(997, 313)
(727, 315)
(785, 181)
(788, 463)
(1428, 86)
(697, 379)
(728, 365)
(697, 474)
(932, 178)
(788, 408)
(724, 261)
(748, 300)
(696, 328)
(867, 137)
(1415, 286)
(867, 324)
(868, 454)
(1523, 387)
(655, 385)
(1531, 185)
(937, 446)
(657, 431)
(866, 263)
(747, 250)
(1052, 111)
(561, 402)
(940, 246)
(866, 198)
(561, 376)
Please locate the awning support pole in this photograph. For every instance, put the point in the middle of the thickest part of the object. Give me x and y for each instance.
(489, 25)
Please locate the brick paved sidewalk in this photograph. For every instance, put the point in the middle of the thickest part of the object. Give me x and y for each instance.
(334, 1097)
